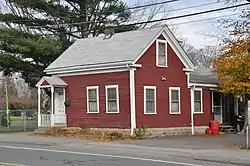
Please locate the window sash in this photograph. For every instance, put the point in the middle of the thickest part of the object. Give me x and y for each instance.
(150, 100)
(162, 53)
(174, 94)
(93, 106)
(112, 100)
(197, 101)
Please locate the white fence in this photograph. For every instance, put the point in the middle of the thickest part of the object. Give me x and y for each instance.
(45, 119)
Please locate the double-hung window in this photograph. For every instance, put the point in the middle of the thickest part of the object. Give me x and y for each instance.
(112, 99)
(197, 100)
(149, 100)
(93, 99)
(161, 53)
(174, 100)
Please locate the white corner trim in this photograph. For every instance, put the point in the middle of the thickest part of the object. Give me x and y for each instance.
(193, 100)
(170, 100)
(204, 85)
(145, 88)
(117, 98)
(132, 99)
(188, 79)
(97, 98)
(157, 52)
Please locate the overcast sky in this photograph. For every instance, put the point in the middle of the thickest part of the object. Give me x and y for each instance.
(199, 33)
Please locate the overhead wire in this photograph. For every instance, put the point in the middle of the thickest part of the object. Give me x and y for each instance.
(151, 21)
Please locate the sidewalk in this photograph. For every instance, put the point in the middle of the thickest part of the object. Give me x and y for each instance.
(235, 157)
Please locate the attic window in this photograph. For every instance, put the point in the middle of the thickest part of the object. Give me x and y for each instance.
(161, 53)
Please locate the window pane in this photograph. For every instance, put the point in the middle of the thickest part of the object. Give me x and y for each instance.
(93, 107)
(150, 107)
(197, 106)
(162, 54)
(92, 94)
(174, 107)
(112, 93)
(174, 95)
(112, 106)
(197, 95)
(150, 94)
(217, 98)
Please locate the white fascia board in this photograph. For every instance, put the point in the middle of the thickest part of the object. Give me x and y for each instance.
(88, 67)
(203, 85)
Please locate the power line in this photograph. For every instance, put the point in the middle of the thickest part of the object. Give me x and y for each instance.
(189, 7)
(152, 21)
(188, 15)
(200, 20)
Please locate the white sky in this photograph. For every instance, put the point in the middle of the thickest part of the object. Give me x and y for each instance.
(198, 34)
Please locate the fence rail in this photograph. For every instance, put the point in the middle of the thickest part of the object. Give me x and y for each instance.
(18, 120)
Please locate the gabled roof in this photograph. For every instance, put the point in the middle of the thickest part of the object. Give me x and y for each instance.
(204, 76)
(52, 81)
(122, 48)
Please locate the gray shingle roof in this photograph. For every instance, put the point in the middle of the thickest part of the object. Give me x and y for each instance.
(121, 47)
(204, 75)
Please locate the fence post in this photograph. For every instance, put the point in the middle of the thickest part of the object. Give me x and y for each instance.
(24, 122)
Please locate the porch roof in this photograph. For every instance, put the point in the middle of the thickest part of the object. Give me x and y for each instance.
(204, 76)
(51, 81)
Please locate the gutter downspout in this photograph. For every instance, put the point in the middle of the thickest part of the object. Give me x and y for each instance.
(132, 98)
(192, 108)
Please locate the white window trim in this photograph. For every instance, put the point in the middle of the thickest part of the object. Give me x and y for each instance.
(198, 89)
(157, 51)
(97, 91)
(170, 99)
(145, 88)
(117, 98)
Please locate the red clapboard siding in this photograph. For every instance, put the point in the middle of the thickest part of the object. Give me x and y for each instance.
(76, 93)
(150, 75)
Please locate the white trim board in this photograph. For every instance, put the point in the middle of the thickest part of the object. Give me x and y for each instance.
(204, 85)
(117, 98)
(144, 99)
(97, 98)
(170, 100)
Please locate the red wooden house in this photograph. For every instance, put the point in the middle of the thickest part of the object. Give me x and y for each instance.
(141, 77)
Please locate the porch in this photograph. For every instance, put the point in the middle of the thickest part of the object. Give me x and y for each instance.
(55, 115)
(225, 108)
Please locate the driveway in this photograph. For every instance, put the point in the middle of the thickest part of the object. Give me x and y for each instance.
(227, 141)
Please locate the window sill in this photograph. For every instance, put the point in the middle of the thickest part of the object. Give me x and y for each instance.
(93, 112)
(160, 66)
(178, 113)
(112, 112)
(150, 113)
(198, 113)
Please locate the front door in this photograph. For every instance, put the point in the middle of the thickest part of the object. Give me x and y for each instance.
(60, 117)
(217, 106)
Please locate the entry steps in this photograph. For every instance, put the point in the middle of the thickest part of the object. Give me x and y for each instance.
(227, 129)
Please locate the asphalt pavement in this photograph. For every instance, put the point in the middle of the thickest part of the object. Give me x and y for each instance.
(41, 151)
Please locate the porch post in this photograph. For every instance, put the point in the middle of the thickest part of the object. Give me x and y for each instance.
(52, 106)
(39, 107)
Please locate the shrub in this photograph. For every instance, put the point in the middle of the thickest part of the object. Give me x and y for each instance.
(5, 120)
(141, 132)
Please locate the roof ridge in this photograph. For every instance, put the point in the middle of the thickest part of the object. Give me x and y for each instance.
(143, 29)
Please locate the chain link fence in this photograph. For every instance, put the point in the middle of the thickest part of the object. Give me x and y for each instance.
(18, 121)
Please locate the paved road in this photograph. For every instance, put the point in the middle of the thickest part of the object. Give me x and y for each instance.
(39, 151)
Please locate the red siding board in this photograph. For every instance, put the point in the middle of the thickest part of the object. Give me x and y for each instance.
(44, 83)
(76, 93)
(150, 75)
(203, 119)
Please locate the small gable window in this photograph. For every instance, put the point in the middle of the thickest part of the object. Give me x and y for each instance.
(161, 53)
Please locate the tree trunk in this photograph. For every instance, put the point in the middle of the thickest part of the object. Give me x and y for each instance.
(243, 131)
